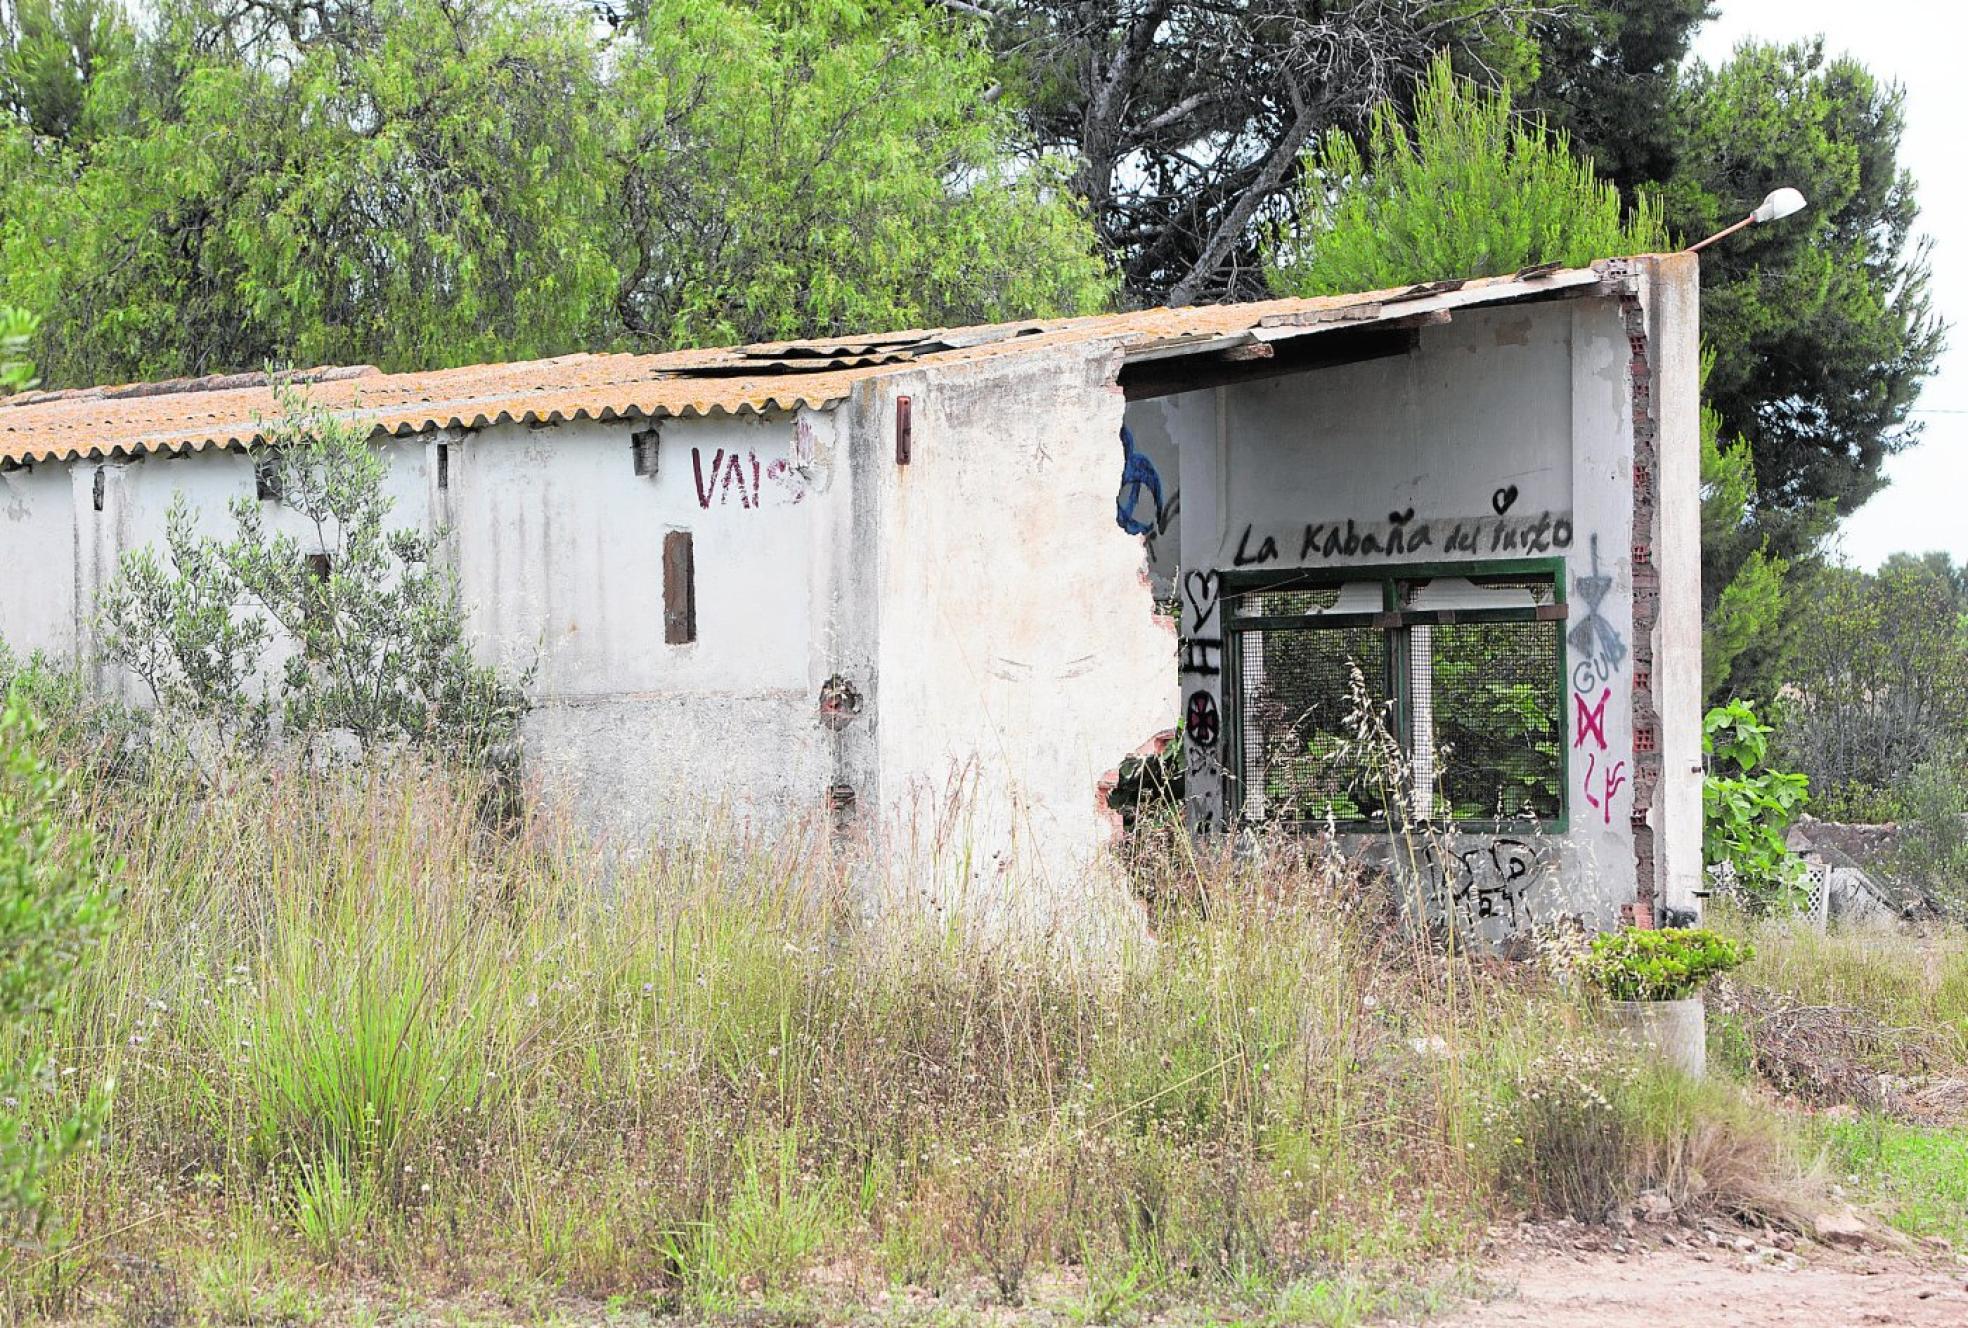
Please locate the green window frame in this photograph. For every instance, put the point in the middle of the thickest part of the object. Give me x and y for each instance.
(1466, 663)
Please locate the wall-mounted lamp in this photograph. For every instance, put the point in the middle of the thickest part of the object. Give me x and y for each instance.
(1776, 205)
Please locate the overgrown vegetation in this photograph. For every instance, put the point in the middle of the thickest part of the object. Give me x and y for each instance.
(1932, 853)
(358, 1037)
(365, 619)
(53, 907)
(1918, 1175)
(1878, 667)
(1747, 807)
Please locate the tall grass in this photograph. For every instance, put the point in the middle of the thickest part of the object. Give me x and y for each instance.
(365, 1038)
(1914, 982)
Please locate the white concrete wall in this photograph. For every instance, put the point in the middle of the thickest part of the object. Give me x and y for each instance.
(37, 561)
(52, 519)
(1020, 659)
(1508, 434)
(1672, 298)
(559, 547)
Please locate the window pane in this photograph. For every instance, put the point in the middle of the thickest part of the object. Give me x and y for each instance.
(1302, 755)
(1498, 722)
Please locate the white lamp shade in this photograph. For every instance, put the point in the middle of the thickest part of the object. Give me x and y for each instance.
(1780, 203)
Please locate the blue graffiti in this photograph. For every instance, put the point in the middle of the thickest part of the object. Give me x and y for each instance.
(1137, 473)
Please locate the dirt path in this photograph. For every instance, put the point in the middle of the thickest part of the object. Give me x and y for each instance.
(1723, 1288)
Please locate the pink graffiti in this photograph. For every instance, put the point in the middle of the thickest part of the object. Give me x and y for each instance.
(1590, 721)
(1611, 781)
(728, 472)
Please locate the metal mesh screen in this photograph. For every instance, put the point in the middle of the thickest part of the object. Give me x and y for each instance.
(1288, 600)
(1494, 692)
(1302, 758)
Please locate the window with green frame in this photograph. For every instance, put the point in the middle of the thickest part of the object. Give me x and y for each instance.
(1462, 666)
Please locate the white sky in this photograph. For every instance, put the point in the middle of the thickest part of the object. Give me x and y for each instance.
(1917, 44)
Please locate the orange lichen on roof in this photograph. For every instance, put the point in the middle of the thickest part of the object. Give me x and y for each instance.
(234, 411)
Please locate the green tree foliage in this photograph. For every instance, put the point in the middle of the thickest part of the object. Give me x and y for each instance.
(1606, 78)
(53, 905)
(418, 188)
(788, 168)
(1747, 807)
(49, 52)
(1743, 618)
(1187, 119)
(1877, 676)
(1820, 326)
(1467, 189)
(1931, 856)
(418, 182)
(16, 334)
(366, 617)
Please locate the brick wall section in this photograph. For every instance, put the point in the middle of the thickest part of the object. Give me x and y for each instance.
(1646, 613)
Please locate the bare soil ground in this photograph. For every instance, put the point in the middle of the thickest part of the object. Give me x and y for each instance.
(1685, 1287)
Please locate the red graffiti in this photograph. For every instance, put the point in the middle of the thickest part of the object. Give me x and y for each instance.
(728, 472)
(1590, 721)
(697, 465)
(735, 471)
(1611, 781)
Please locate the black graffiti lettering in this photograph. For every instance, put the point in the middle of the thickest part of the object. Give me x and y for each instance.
(1511, 858)
(1403, 534)
(1486, 881)
(1201, 588)
(1266, 551)
(1538, 537)
(1203, 656)
(1589, 673)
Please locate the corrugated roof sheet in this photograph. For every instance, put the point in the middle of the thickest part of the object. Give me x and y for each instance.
(230, 411)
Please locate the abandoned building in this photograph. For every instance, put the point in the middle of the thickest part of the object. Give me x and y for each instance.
(928, 583)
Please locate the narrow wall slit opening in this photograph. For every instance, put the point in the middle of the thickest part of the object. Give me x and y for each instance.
(679, 589)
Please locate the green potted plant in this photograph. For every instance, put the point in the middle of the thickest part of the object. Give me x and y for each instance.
(1653, 980)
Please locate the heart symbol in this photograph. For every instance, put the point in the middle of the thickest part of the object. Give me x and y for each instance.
(1503, 498)
(1201, 589)
(1400, 518)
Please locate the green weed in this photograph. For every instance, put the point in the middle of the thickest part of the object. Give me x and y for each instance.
(1917, 1176)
